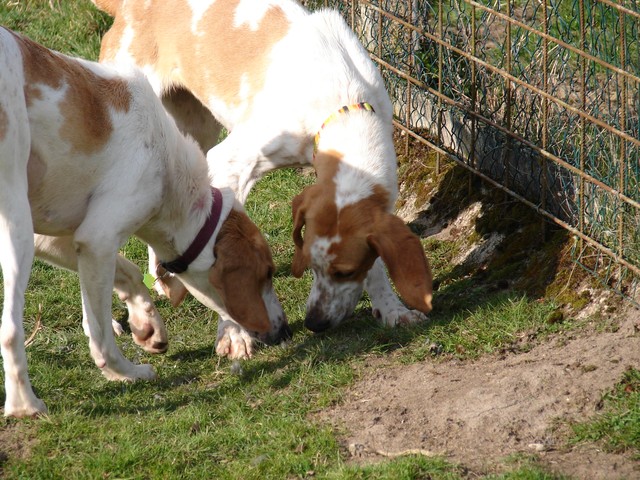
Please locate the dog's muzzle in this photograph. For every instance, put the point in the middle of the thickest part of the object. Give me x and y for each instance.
(283, 334)
(316, 321)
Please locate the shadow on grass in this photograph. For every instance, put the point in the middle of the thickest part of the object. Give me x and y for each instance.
(275, 369)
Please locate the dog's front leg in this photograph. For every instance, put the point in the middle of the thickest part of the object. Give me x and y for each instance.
(147, 328)
(386, 305)
(238, 163)
(96, 268)
(16, 257)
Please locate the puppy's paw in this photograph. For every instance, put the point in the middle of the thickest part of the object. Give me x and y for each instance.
(117, 328)
(399, 315)
(233, 341)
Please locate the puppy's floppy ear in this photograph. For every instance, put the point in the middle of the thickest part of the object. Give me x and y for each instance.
(238, 274)
(404, 257)
(300, 260)
(171, 285)
(240, 293)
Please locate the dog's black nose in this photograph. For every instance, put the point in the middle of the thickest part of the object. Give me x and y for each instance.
(285, 333)
(316, 321)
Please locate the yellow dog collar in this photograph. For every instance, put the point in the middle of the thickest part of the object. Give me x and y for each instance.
(334, 115)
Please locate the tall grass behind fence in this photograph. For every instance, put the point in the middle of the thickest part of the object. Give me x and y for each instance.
(540, 99)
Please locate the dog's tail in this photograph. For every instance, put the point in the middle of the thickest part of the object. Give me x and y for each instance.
(109, 6)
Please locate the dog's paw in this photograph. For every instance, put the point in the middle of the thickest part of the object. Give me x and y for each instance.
(144, 372)
(233, 341)
(399, 315)
(117, 328)
(31, 408)
(131, 374)
(148, 329)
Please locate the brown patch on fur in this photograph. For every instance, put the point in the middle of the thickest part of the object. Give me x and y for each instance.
(86, 103)
(315, 210)
(353, 253)
(404, 257)
(241, 272)
(4, 123)
(326, 164)
(85, 109)
(366, 230)
(31, 94)
(219, 62)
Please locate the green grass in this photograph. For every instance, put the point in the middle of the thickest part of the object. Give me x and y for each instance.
(71, 27)
(617, 427)
(198, 420)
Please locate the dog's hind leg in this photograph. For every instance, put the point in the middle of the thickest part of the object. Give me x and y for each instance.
(97, 253)
(16, 257)
(147, 328)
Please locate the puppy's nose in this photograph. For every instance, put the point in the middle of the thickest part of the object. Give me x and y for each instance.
(316, 321)
(285, 333)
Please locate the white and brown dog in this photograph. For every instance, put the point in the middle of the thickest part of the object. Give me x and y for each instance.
(287, 83)
(88, 157)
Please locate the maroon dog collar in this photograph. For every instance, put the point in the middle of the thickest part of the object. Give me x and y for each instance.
(180, 264)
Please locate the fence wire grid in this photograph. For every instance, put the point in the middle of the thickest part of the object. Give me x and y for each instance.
(540, 99)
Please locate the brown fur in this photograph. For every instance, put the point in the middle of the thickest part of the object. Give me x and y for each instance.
(242, 300)
(366, 230)
(402, 252)
(85, 108)
(240, 52)
(172, 287)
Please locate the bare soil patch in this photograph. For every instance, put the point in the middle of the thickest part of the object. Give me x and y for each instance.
(510, 406)
(478, 413)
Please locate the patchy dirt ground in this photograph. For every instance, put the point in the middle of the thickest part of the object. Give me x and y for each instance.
(480, 413)
(476, 413)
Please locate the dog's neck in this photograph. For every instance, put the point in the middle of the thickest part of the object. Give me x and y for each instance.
(186, 200)
(353, 156)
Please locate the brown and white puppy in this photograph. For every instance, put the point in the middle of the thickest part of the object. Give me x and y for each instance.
(88, 157)
(275, 75)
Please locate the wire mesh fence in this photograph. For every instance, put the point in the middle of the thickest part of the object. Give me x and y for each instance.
(540, 99)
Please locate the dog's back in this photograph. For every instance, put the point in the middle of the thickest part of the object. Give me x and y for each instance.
(71, 122)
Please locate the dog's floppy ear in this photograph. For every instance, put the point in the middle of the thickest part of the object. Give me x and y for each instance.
(238, 274)
(171, 285)
(300, 260)
(242, 298)
(404, 257)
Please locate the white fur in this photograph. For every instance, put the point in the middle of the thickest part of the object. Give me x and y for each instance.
(316, 68)
(146, 179)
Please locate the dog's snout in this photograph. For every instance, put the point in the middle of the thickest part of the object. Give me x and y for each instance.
(160, 347)
(316, 321)
(285, 333)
